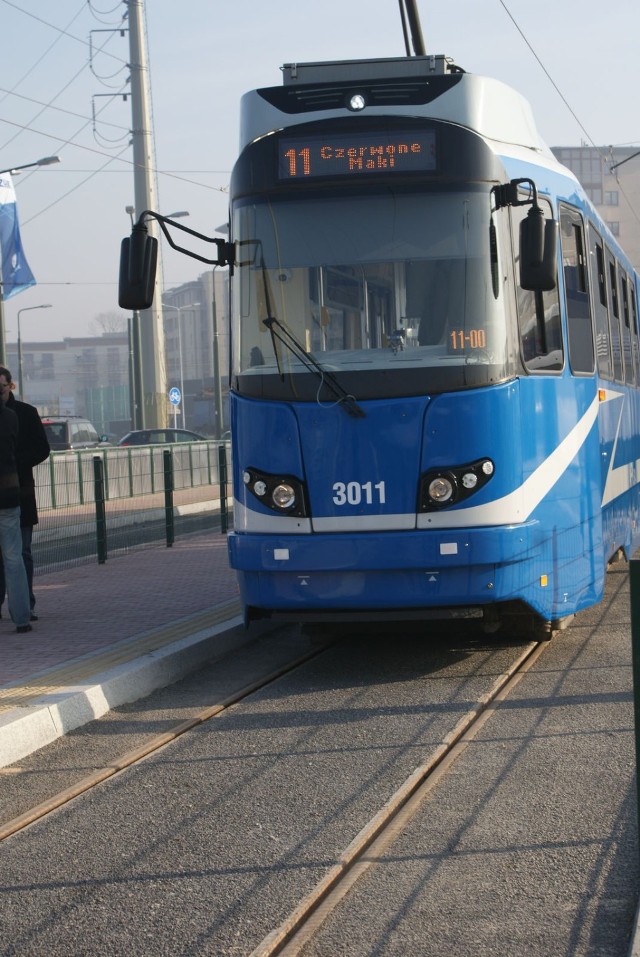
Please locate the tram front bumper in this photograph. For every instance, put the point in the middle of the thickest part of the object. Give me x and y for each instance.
(390, 570)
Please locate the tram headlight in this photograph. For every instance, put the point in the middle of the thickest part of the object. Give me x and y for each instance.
(356, 102)
(284, 494)
(441, 488)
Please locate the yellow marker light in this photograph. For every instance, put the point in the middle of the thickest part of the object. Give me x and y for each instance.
(602, 394)
(544, 581)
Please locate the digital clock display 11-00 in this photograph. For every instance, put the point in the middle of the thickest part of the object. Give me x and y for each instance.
(356, 154)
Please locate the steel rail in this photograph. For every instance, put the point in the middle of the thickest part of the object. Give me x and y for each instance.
(132, 757)
(295, 932)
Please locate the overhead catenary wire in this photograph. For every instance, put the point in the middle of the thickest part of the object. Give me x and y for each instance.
(55, 97)
(60, 109)
(598, 149)
(41, 57)
(120, 158)
(60, 30)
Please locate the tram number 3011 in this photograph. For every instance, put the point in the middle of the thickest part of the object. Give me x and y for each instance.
(355, 493)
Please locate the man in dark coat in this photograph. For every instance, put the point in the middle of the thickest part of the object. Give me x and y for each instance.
(10, 537)
(32, 447)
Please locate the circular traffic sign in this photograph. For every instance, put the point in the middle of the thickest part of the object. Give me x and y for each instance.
(175, 395)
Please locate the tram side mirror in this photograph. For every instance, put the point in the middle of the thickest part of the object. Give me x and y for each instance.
(538, 251)
(138, 261)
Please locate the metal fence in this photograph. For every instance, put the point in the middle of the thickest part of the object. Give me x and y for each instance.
(93, 503)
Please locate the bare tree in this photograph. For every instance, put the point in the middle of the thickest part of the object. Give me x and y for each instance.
(106, 322)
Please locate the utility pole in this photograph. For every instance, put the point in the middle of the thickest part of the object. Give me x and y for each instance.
(151, 327)
(217, 385)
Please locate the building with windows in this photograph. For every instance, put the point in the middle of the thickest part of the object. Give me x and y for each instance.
(87, 376)
(196, 333)
(611, 177)
(91, 377)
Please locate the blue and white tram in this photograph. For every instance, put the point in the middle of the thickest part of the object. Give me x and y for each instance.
(435, 354)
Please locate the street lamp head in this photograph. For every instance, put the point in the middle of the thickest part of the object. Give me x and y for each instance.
(48, 161)
(44, 161)
(45, 305)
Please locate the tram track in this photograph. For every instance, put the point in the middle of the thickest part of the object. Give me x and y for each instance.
(146, 748)
(369, 844)
(298, 929)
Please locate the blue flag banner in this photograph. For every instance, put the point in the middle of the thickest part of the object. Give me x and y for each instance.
(15, 274)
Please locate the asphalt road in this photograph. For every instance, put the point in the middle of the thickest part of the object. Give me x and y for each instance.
(527, 847)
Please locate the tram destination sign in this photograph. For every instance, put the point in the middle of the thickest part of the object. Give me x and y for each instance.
(356, 154)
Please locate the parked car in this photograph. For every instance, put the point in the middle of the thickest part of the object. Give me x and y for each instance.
(70, 432)
(160, 436)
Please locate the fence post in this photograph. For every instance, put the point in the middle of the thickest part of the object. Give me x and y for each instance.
(52, 482)
(130, 470)
(80, 477)
(168, 496)
(101, 517)
(222, 480)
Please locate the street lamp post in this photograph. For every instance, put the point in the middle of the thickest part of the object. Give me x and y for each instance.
(46, 305)
(45, 161)
(180, 310)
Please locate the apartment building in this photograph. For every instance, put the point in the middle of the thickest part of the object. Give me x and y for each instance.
(91, 375)
(611, 177)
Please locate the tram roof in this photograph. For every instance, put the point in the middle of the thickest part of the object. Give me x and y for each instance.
(316, 91)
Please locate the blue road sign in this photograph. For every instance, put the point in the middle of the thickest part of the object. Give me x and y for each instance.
(175, 396)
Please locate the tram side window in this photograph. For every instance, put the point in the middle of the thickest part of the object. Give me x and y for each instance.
(600, 304)
(635, 344)
(576, 291)
(629, 372)
(614, 319)
(538, 314)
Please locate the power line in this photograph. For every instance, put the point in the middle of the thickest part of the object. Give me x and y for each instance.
(110, 159)
(598, 149)
(59, 30)
(59, 93)
(41, 58)
(91, 149)
(57, 109)
(548, 75)
(72, 190)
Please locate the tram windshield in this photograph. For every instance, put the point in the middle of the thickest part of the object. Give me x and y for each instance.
(395, 285)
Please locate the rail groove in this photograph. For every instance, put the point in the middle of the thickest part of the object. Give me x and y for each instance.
(302, 924)
(148, 747)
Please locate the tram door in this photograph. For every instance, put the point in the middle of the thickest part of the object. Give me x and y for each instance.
(378, 315)
(356, 311)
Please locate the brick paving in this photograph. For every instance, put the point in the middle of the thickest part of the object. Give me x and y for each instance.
(87, 608)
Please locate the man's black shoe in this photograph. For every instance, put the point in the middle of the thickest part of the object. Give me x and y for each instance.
(34, 617)
(22, 629)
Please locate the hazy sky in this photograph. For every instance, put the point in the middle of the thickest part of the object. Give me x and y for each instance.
(60, 94)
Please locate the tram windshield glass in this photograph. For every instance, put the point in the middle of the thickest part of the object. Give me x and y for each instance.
(394, 290)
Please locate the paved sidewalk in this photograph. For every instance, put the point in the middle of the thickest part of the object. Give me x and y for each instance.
(111, 633)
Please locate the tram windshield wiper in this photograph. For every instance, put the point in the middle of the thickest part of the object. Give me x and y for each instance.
(282, 334)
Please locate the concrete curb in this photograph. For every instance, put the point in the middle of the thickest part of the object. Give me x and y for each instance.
(24, 730)
(634, 944)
